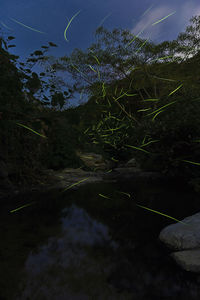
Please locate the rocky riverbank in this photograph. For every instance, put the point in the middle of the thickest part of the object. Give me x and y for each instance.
(73, 178)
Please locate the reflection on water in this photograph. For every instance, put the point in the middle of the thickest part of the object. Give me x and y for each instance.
(70, 267)
(84, 246)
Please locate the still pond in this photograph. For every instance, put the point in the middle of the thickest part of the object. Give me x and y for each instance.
(94, 242)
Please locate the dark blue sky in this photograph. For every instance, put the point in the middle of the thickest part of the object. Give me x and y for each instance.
(49, 19)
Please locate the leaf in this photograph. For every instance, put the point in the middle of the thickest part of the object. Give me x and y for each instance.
(11, 38)
(52, 44)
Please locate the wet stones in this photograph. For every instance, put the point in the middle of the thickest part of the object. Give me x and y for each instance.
(185, 238)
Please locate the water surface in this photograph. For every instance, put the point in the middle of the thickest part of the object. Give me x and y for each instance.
(95, 243)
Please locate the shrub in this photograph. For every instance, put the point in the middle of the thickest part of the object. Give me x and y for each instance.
(62, 144)
(176, 128)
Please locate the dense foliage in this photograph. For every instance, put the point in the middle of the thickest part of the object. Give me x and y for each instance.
(147, 110)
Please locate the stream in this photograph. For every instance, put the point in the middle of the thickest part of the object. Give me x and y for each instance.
(94, 242)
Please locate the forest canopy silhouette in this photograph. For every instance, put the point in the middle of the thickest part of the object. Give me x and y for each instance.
(143, 102)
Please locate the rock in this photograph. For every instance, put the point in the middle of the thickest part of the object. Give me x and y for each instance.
(136, 175)
(181, 237)
(132, 163)
(189, 260)
(93, 160)
(184, 237)
(69, 177)
(71, 170)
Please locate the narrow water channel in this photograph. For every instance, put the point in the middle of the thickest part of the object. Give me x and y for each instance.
(95, 243)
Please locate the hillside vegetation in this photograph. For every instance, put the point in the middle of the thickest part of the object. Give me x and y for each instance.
(150, 113)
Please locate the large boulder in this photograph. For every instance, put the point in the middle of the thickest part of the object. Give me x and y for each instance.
(94, 161)
(189, 260)
(181, 236)
(68, 178)
(185, 237)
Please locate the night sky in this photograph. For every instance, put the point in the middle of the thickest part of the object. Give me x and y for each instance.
(48, 20)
